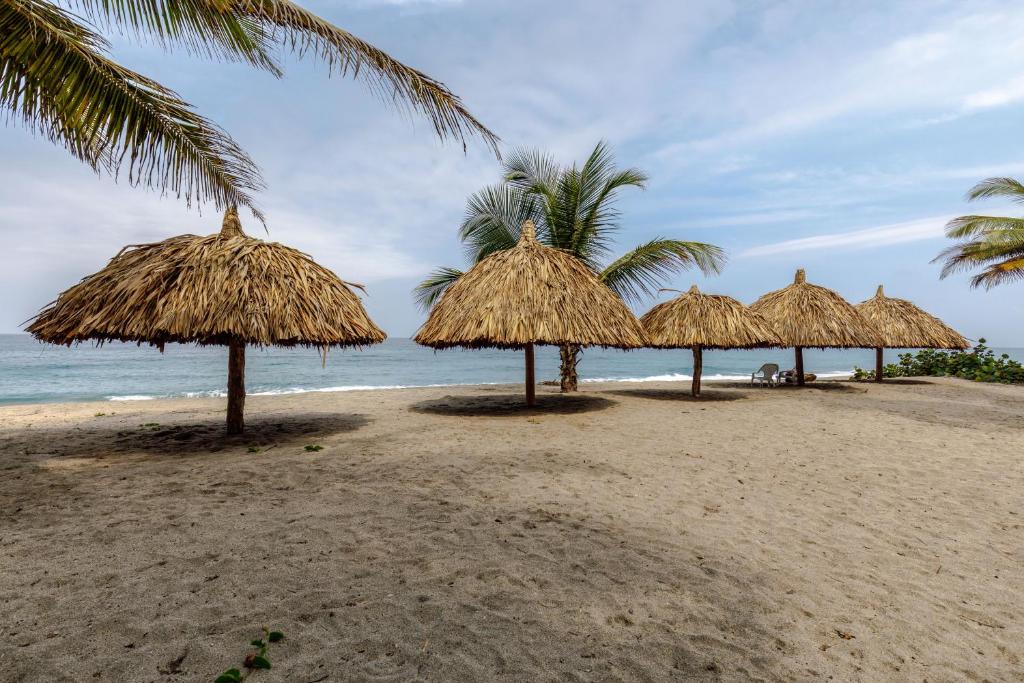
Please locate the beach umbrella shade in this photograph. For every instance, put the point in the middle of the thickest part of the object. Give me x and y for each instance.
(227, 289)
(805, 315)
(902, 325)
(698, 321)
(528, 295)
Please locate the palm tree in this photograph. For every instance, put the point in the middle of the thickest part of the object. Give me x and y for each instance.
(573, 209)
(992, 242)
(56, 77)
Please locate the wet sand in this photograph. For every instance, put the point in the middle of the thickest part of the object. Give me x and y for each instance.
(846, 531)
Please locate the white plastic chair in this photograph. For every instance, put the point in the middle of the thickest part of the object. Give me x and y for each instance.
(766, 373)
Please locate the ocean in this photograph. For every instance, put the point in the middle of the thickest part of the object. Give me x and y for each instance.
(31, 372)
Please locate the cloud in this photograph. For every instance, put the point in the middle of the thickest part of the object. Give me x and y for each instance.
(821, 77)
(998, 96)
(867, 238)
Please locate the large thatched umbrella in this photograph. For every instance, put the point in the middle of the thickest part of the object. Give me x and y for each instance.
(806, 315)
(530, 294)
(699, 321)
(902, 325)
(227, 289)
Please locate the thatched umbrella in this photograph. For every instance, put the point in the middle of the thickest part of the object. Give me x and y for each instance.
(699, 321)
(806, 315)
(530, 294)
(227, 289)
(902, 325)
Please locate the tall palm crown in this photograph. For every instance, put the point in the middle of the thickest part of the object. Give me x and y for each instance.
(56, 77)
(573, 209)
(995, 244)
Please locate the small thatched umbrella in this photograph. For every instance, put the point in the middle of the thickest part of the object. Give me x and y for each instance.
(699, 321)
(902, 325)
(227, 289)
(530, 294)
(806, 315)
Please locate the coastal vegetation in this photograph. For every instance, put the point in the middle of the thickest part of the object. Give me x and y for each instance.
(57, 78)
(993, 243)
(574, 210)
(979, 364)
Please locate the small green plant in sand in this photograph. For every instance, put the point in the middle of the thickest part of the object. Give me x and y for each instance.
(257, 659)
(100, 415)
(313, 448)
(254, 449)
(151, 425)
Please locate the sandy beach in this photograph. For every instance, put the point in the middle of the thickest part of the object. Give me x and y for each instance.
(847, 532)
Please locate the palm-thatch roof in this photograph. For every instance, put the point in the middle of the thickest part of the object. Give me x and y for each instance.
(218, 289)
(530, 294)
(901, 324)
(805, 315)
(709, 321)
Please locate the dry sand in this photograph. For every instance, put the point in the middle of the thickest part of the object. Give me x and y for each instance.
(847, 532)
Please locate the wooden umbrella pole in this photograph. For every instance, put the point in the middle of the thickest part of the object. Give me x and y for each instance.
(878, 364)
(800, 366)
(698, 367)
(236, 387)
(530, 388)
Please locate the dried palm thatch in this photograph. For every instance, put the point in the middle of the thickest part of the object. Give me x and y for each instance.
(699, 321)
(806, 315)
(530, 294)
(227, 289)
(902, 325)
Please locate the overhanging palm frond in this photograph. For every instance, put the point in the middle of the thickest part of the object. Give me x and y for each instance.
(997, 187)
(398, 84)
(494, 216)
(56, 79)
(247, 29)
(640, 272)
(211, 28)
(429, 291)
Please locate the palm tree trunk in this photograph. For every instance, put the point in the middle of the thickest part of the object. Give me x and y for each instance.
(236, 387)
(570, 357)
(530, 387)
(878, 364)
(698, 368)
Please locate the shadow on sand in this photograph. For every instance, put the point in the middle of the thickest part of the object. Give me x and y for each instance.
(187, 438)
(512, 405)
(679, 395)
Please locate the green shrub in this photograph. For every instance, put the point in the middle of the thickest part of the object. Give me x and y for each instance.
(979, 364)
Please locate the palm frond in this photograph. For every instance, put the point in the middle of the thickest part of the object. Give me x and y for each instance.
(429, 291)
(494, 216)
(640, 272)
(402, 86)
(991, 249)
(599, 217)
(56, 79)
(210, 28)
(997, 187)
(530, 168)
(999, 273)
(968, 226)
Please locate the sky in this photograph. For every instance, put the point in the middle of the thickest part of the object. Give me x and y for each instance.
(836, 137)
